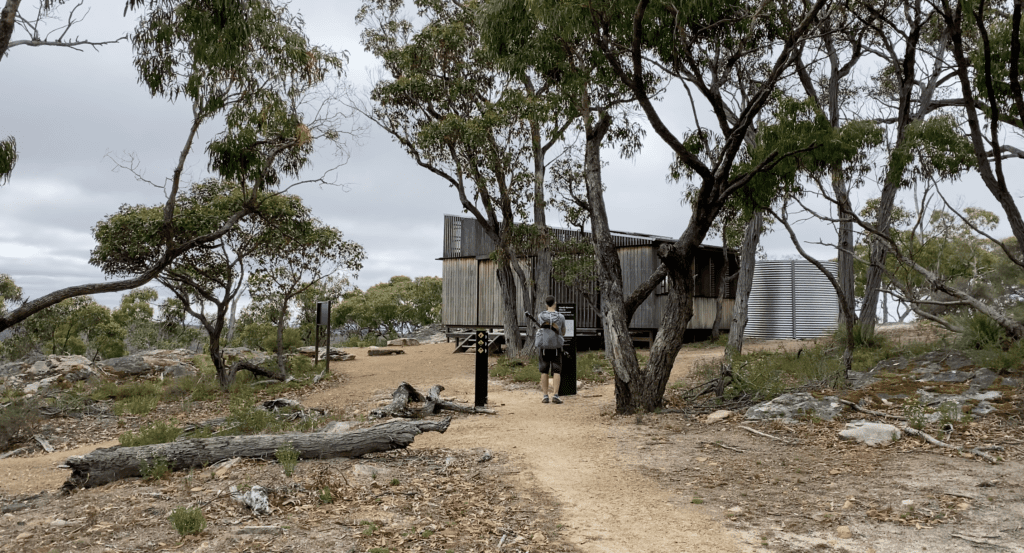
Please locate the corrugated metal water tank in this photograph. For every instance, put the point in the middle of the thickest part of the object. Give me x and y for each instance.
(792, 299)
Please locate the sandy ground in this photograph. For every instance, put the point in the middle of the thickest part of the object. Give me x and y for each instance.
(570, 450)
(670, 483)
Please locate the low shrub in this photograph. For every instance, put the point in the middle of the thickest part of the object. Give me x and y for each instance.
(288, 456)
(188, 521)
(136, 405)
(157, 433)
(18, 421)
(155, 469)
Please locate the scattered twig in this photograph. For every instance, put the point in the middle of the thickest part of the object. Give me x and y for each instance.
(932, 440)
(870, 412)
(42, 441)
(759, 433)
(13, 452)
(979, 541)
(723, 446)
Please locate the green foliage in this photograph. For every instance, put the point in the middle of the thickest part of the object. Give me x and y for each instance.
(979, 331)
(288, 457)
(188, 521)
(194, 49)
(391, 308)
(935, 148)
(18, 421)
(516, 369)
(762, 375)
(119, 390)
(77, 326)
(593, 366)
(326, 496)
(8, 158)
(244, 418)
(159, 432)
(915, 413)
(155, 469)
(136, 405)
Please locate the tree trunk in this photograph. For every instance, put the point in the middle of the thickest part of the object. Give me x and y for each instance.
(509, 305)
(110, 464)
(280, 337)
(8, 15)
(231, 320)
(616, 327)
(873, 281)
(432, 404)
(845, 247)
(723, 285)
(745, 280)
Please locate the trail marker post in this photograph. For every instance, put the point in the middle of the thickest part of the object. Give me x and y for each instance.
(481, 368)
(567, 385)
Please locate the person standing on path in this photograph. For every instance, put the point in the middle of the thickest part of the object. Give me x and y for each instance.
(549, 343)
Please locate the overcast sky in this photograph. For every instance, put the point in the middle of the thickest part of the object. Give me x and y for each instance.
(70, 110)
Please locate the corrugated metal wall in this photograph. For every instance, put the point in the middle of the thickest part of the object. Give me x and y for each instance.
(458, 291)
(791, 299)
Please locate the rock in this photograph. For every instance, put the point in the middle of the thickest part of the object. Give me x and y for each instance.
(736, 509)
(844, 533)
(719, 415)
(337, 427)
(791, 407)
(871, 433)
(336, 354)
(23, 536)
(376, 351)
(233, 354)
(983, 408)
(404, 342)
(171, 363)
(983, 378)
(59, 523)
(539, 538)
(255, 499)
(485, 457)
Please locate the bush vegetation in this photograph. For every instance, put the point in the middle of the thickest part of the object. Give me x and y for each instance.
(188, 521)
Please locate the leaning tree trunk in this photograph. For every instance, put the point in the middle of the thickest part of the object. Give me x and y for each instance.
(509, 304)
(744, 282)
(618, 343)
(873, 282)
(110, 464)
(723, 286)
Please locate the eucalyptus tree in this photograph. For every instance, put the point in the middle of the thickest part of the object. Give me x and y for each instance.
(306, 254)
(208, 277)
(733, 54)
(913, 92)
(249, 65)
(459, 114)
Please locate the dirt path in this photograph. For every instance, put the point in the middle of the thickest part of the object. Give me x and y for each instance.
(30, 475)
(571, 451)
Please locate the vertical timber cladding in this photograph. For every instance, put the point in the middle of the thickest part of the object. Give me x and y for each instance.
(459, 291)
(791, 299)
(490, 305)
(638, 262)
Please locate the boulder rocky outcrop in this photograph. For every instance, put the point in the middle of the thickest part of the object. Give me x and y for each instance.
(795, 407)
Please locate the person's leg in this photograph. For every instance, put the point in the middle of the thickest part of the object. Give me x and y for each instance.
(542, 364)
(556, 379)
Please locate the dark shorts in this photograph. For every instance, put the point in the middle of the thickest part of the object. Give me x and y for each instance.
(550, 358)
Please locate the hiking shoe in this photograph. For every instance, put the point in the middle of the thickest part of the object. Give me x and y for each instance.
(546, 400)
(556, 399)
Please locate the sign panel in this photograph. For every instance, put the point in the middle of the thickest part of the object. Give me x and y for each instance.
(568, 310)
(323, 313)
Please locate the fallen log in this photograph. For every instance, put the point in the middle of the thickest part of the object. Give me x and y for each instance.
(432, 404)
(110, 464)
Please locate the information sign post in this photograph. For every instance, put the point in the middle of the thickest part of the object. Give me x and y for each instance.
(567, 385)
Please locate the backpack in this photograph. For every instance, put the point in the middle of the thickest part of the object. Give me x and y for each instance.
(549, 335)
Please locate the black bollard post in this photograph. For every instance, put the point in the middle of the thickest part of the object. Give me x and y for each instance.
(481, 368)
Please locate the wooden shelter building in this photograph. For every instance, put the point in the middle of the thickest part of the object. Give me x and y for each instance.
(471, 297)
